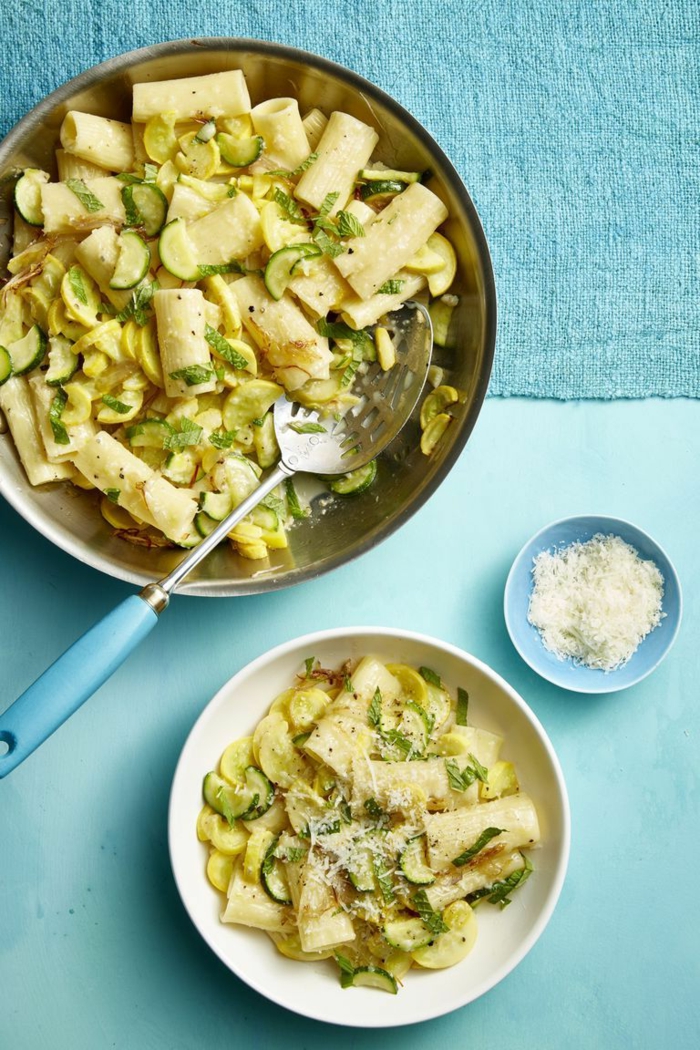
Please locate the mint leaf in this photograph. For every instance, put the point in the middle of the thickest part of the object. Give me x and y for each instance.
(309, 664)
(223, 348)
(393, 287)
(499, 892)
(432, 919)
(374, 712)
(140, 301)
(189, 434)
(300, 168)
(462, 706)
(349, 225)
(290, 207)
(115, 404)
(86, 197)
(329, 247)
(307, 428)
(222, 438)
(113, 494)
(461, 779)
(347, 970)
(193, 375)
(295, 507)
(327, 204)
(56, 407)
(132, 212)
(483, 839)
(75, 279)
(431, 677)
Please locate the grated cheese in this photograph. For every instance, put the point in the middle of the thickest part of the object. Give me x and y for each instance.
(595, 601)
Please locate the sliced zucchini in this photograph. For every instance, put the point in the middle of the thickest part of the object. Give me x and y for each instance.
(239, 153)
(176, 251)
(245, 801)
(204, 524)
(28, 352)
(145, 205)
(5, 365)
(273, 876)
(133, 261)
(450, 947)
(355, 482)
(391, 174)
(437, 400)
(152, 433)
(278, 272)
(181, 467)
(440, 281)
(159, 138)
(374, 977)
(381, 190)
(361, 868)
(250, 401)
(81, 297)
(441, 311)
(433, 433)
(260, 840)
(236, 759)
(197, 157)
(219, 870)
(63, 363)
(413, 864)
(28, 195)
(216, 505)
(407, 934)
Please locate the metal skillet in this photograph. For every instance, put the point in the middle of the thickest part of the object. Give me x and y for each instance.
(307, 443)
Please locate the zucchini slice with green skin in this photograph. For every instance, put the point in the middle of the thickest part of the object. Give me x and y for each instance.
(133, 261)
(176, 251)
(374, 977)
(407, 934)
(273, 877)
(28, 352)
(152, 433)
(145, 205)
(381, 190)
(278, 272)
(204, 524)
(216, 505)
(413, 865)
(361, 868)
(28, 195)
(181, 467)
(239, 153)
(355, 482)
(389, 175)
(247, 801)
(5, 365)
(63, 363)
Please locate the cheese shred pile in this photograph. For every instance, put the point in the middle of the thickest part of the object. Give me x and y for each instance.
(596, 601)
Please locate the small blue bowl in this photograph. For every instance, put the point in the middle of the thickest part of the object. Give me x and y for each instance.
(566, 673)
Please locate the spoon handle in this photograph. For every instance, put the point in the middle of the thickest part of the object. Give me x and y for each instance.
(71, 679)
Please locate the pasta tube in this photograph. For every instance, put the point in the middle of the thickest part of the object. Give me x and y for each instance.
(17, 404)
(231, 231)
(392, 239)
(181, 323)
(279, 122)
(65, 212)
(345, 147)
(293, 348)
(449, 834)
(106, 143)
(213, 95)
(111, 467)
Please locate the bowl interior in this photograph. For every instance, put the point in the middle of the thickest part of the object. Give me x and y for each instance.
(313, 989)
(407, 478)
(527, 639)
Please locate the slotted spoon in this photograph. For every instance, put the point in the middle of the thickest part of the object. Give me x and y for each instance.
(307, 443)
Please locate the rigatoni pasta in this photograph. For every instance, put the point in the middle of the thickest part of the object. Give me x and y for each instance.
(364, 820)
(185, 270)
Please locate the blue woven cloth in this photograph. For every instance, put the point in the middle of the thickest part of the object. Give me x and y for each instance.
(574, 125)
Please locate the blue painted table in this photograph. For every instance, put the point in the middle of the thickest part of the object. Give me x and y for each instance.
(95, 948)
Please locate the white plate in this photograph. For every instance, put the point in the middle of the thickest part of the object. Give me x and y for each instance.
(312, 989)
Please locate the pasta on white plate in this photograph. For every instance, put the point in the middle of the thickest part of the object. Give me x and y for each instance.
(364, 820)
(183, 271)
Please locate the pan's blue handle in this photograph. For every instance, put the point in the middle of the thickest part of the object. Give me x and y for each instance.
(74, 677)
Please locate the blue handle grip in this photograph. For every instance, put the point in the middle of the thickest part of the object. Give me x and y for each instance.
(71, 679)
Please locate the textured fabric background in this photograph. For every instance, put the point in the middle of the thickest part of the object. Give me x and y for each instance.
(574, 126)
